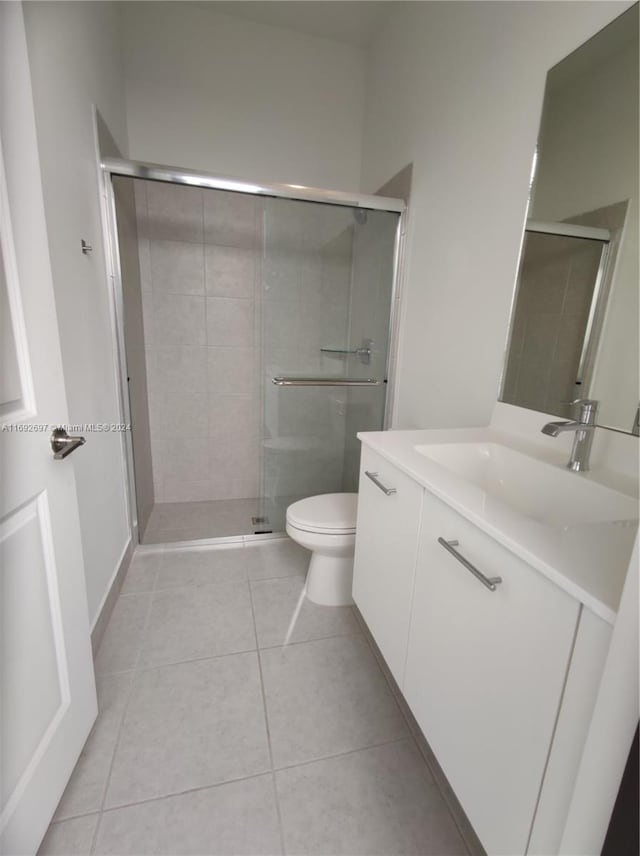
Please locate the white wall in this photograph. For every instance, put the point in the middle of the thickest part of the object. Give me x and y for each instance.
(225, 95)
(456, 88)
(75, 60)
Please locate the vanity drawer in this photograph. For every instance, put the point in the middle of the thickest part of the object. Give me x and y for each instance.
(485, 671)
(389, 507)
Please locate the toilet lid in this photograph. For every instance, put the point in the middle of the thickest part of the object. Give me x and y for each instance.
(329, 512)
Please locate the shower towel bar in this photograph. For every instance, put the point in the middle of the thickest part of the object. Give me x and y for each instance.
(325, 381)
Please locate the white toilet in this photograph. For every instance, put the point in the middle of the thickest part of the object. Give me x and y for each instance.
(326, 525)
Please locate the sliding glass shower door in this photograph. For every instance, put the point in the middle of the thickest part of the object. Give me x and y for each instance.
(256, 332)
(326, 284)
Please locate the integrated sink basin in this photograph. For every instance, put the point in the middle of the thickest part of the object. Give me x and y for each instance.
(534, 488)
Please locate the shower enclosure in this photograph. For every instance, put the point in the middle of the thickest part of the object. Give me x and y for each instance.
(255, 336)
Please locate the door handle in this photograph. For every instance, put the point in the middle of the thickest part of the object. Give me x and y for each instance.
(62, 444)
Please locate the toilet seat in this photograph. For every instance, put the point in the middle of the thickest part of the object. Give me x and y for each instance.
(327, 514)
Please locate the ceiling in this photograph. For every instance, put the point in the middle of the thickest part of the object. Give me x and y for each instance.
(352, 21)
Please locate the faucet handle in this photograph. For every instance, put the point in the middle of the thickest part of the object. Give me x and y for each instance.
(588, 409)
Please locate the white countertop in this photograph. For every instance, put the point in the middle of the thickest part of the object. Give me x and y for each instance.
(589, 561)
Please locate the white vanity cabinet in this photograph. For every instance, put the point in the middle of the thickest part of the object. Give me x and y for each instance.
(502, 677)
(485, 672)
(389, 508)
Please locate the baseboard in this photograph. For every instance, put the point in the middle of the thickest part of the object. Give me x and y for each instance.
(110, 598)
(461, 820)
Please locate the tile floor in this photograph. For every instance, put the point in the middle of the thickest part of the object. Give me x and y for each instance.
(219, 518)
(226, 727)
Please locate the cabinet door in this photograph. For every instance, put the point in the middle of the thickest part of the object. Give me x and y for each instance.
(485, 673)
(385, 556)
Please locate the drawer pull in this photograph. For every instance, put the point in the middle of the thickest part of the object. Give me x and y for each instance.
(374, 478)
(489, 582)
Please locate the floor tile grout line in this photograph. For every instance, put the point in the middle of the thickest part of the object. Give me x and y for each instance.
(151, 668)
(412, 737)
(163, 554)
(125, 709)
(201, 584)
(331, 757)
(155, 666)
(188, 586)
(276, 799)
(257, 775)
(55, 822)
(159, 797)
(311, 639)
(267, 729)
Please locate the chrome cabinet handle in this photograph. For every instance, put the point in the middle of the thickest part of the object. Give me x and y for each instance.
(62, 444)
(389, 491)
(490, 582)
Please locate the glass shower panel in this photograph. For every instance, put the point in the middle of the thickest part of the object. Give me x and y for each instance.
(326, 291)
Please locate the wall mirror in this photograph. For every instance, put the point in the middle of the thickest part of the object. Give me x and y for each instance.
(574, 324)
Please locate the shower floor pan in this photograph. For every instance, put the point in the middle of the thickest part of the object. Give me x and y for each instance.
(220, 518)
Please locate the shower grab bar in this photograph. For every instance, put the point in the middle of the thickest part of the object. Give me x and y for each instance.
(325, 381)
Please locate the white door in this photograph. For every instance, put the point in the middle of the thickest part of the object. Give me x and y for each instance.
(47, 689)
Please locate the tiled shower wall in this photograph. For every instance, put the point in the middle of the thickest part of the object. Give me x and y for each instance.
(200, 260)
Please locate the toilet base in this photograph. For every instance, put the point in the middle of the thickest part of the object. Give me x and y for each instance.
(330, 579)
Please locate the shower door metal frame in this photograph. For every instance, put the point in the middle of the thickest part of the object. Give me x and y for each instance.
(111, 167)
(193, 178)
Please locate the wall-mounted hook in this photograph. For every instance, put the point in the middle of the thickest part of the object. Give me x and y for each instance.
(86, 248)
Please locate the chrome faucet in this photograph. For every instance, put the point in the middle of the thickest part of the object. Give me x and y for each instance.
(583, 427)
